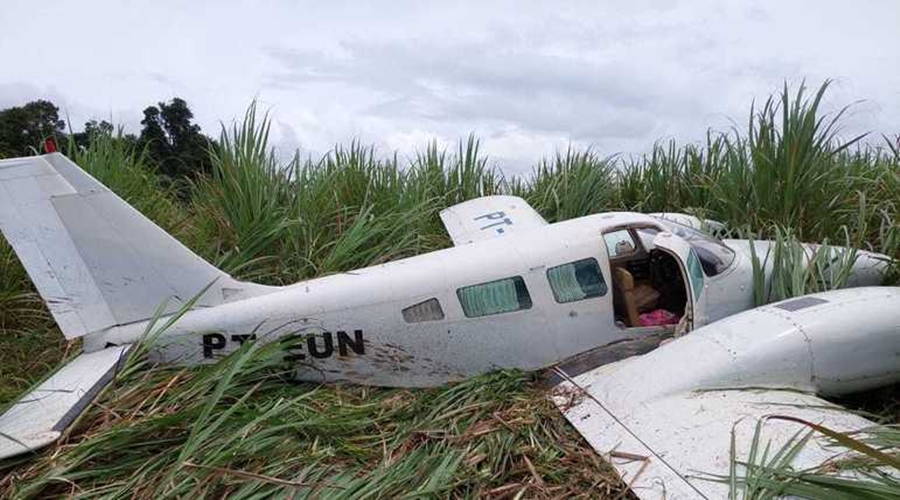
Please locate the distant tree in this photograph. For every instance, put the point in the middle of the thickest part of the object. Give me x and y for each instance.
(176, 144)
(104, 127)
(92, 128)
(23, 129)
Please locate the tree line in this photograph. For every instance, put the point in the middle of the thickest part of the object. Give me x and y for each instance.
(169, 136)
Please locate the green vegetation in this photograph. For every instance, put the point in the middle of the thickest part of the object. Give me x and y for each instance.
(23, 128)
(797, 269)
(168, 138)
(237, 428)
(871, 472)
(241, 428)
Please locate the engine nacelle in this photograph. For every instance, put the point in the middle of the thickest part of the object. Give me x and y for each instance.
(836, 343)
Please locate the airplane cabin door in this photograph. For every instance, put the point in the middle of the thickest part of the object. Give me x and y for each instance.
(693, 272)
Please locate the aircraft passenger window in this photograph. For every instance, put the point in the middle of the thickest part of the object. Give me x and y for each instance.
(429, 310)
(619, 243)
(495, 297)
(696, 272)
(576, 281)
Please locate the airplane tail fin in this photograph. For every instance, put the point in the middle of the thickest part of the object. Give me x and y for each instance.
(96, 261)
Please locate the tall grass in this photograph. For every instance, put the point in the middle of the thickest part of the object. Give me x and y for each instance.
(236, 428)
(865, 465)
(245, 202)
(790, 169)
(570, 185)
(785, 267)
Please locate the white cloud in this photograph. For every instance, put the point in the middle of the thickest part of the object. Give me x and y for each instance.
(528, 78)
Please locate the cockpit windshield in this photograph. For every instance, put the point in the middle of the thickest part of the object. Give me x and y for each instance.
(714, 255)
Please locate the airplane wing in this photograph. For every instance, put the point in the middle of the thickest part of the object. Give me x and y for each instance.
(669, 448)
(667, 419)
(489, 217)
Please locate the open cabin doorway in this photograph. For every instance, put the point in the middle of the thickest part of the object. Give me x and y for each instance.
(650, 289)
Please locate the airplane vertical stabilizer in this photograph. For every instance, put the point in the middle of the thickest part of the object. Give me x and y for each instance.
(96, 261)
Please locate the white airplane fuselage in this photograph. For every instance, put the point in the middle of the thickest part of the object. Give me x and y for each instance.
(353, 326)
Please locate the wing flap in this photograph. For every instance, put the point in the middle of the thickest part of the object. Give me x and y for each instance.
(648, 475)
(670, 447)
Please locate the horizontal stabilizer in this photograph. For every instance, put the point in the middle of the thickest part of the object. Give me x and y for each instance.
(44, 413)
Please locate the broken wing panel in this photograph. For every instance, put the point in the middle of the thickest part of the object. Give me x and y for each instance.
(489, 217)
(669, 447)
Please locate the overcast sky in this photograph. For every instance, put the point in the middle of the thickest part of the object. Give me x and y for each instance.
(528, 78)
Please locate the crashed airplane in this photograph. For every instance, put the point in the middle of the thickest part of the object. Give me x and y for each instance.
(513, 292)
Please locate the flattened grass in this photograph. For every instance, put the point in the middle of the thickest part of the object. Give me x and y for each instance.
(241, 428)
